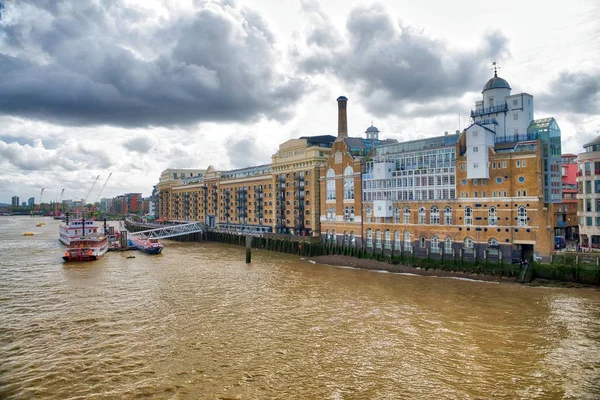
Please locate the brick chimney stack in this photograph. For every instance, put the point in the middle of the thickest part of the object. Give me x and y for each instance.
(342, 117)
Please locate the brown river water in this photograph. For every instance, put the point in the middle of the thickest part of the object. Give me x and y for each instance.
(198, 323)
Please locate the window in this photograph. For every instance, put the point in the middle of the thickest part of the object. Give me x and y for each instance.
(369, 238)
(346, 239)
(422, 243)
(397, 239)
(468, 244)
(447, 216)
(476, 182)
(494, 165)
(468, 216)
(503, 164)
(407, 241)
(515, 116)
(422, 216)
(434, 215)
(348, 183)
(515, 102)
(475, 149)
(387, 244)
(369, 213)
(492, 216)
(493, 244)
(475, 165)
(518, 163)
(448, 245)
(522, 216)
(396, 215)
(435, 244)
(352, 239)
(474, 133)
(378, 239)
(330, 184)
(523, 163)
(406, 215)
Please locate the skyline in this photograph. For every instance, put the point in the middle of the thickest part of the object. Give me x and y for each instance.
(133, 87)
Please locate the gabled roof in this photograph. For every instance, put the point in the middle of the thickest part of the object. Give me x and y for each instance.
(478, 124)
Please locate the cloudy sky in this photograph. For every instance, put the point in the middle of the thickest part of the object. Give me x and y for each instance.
(133, 87)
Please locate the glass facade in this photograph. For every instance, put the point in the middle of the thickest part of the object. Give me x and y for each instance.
(548, 132)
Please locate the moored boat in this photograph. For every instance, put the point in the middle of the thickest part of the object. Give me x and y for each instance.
(149, 246)
(76, 228)
(86, 248)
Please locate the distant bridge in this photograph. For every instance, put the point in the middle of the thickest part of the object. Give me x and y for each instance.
(169, 231)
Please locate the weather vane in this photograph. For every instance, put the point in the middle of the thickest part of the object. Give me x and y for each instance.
(495, 68)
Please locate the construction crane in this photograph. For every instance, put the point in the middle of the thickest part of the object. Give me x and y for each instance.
(90, 191)
(41, 196)
(102, 188)
(58, 206)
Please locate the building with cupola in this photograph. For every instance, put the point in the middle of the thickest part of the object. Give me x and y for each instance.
(483, 193)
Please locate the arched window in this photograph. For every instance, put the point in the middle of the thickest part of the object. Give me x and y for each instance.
(397, 240)
(352, 239)
(369, 238)
(396, 215)
(378, 239)
(422, 242)
(407, 241)
(387, 239)
(346, 239)
(369, 212)
(468, 243)
(348, 183)
(352, 213)
(422, 216)
(330, 184)
(435, 244)
(327, 236)
(434, 215)
(492, 216)
(492, 244)
(448, 216)
(522, 216)
(448, 245)
(406, 215)
(333, 237)
(468, 216)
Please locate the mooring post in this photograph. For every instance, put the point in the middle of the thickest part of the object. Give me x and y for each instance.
(248, 249)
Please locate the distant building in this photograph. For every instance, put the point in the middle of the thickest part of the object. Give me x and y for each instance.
(566, 222)
(31, 202)
(588, 195)
(15, 201)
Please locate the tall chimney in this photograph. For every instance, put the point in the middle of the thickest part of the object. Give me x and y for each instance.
(342, 117)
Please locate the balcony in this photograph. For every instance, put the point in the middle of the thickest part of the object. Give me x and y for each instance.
(489, 110)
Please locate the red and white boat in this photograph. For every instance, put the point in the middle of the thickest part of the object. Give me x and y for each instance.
(86, 248)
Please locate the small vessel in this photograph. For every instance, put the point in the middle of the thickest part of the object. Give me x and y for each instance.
(86, 248)
(40, 224)
(149, 246)
(75, 228)
(28, 234)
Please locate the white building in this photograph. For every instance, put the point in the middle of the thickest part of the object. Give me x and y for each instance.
(499, 117)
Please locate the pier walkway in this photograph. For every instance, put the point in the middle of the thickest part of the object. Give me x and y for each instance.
(169, 231)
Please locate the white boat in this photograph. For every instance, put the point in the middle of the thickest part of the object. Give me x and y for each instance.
(76, 228)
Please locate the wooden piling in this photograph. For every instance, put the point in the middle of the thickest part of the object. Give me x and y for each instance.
(248, 249)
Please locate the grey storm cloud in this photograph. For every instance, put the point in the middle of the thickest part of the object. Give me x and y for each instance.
(573, 92)
(246, 151)
(393, 64)
(86, 63)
